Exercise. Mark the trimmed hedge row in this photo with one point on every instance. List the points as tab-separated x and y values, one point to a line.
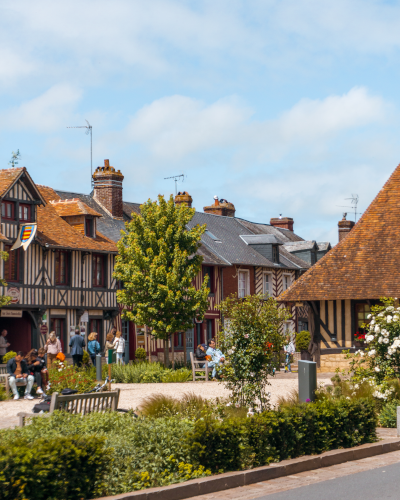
305	429
51	469
74	457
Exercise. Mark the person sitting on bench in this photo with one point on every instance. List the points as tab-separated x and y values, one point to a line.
18	371
216	357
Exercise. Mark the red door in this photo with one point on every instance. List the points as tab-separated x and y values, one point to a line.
19	332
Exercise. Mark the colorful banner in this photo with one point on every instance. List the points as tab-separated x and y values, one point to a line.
26	235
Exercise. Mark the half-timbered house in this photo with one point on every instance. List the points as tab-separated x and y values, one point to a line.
64	278
341	288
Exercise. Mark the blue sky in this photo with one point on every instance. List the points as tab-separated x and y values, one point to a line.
278	106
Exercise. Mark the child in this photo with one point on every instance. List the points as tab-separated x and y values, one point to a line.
289	350
44	372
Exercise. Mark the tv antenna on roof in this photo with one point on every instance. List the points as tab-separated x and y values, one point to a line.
354	202
176	177
88	128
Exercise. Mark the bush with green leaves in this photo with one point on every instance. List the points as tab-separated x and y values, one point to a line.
140	354
9	355
70	468
303	339
137	373
250	340
388	414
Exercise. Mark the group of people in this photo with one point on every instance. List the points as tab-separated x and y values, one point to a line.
29	370
212	355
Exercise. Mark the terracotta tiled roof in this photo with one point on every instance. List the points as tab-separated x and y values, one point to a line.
7	178
55	231
67	208
365	265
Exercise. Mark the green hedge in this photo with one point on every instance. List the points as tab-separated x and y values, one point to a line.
306	429
51	462
51	469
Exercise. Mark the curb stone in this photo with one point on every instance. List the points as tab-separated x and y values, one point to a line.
229	480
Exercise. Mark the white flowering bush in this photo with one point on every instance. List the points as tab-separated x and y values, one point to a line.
379	364
251	341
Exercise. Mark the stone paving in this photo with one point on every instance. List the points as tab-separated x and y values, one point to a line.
257	490
132	395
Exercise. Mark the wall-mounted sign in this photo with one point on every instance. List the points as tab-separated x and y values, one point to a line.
44	329
6	313
299	304
14	293
44	319
26	235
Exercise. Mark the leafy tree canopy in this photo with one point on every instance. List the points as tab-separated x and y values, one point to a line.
157	264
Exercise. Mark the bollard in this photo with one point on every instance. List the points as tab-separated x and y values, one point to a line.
98	368
398	421
307	380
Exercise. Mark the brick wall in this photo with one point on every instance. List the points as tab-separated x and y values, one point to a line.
108	189
230	277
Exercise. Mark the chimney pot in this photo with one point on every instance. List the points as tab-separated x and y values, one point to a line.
183	198
345	226
221	207
283	222
108	189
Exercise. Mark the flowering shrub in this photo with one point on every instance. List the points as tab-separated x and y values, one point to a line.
64	376
251	341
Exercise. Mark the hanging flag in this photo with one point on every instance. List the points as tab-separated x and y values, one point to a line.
25	236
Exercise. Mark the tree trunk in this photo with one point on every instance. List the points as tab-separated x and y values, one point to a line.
173	350
166	353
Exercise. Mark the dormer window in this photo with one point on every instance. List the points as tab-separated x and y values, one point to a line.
89	227
24	212
8	210
275	254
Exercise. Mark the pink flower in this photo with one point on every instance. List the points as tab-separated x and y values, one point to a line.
246	336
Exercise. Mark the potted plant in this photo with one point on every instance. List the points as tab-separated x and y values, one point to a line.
302	342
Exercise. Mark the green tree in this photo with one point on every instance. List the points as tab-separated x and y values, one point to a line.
157	264
4	299
251	340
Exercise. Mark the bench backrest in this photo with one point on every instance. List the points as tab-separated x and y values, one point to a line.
85	403
3	369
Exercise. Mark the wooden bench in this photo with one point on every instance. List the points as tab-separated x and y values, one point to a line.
4	379
96	402
196	368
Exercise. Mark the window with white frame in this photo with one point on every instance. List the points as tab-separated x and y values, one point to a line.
287	328
244	284
267	285
287	281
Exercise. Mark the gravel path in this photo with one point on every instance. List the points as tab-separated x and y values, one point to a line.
132	395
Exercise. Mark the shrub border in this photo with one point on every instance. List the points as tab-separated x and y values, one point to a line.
230	480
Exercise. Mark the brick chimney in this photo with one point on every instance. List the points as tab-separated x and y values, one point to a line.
183	198
108	189
345	226
283	222
221	207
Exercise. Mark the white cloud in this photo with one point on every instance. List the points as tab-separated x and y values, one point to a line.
177	126
44	113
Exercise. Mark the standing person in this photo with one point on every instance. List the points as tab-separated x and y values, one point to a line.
93	347
216	357
35	367
119	344
3	344
44	372
17	370
77	343
109	344
52	347
289	350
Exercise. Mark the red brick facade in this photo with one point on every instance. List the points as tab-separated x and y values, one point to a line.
108	189
231	279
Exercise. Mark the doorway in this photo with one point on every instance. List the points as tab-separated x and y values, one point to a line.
19	332
58	326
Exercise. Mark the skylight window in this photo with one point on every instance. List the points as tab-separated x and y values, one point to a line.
212	236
